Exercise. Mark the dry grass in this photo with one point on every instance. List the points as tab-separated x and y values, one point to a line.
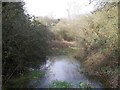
103	66
96	36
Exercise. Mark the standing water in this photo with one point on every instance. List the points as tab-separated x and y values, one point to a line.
64	68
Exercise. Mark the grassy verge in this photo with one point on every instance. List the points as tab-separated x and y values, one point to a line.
65	51
103	67
64	84
60	84
85	86
24	81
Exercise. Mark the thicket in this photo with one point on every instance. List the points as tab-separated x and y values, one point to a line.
25	41
97	37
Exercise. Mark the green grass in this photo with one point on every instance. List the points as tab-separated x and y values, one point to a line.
61	84
23	81
36	74
64	84
85	85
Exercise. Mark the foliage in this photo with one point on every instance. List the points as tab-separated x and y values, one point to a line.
102	37
24	81
85	85
48	21
61	84
63	30
97	36
26	42
35	74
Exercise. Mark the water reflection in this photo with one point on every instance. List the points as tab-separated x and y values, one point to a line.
63	68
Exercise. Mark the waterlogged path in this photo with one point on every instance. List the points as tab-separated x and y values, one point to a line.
64	68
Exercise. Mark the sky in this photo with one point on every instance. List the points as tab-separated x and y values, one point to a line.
57	8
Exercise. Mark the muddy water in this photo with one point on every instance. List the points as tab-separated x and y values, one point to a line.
64	68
